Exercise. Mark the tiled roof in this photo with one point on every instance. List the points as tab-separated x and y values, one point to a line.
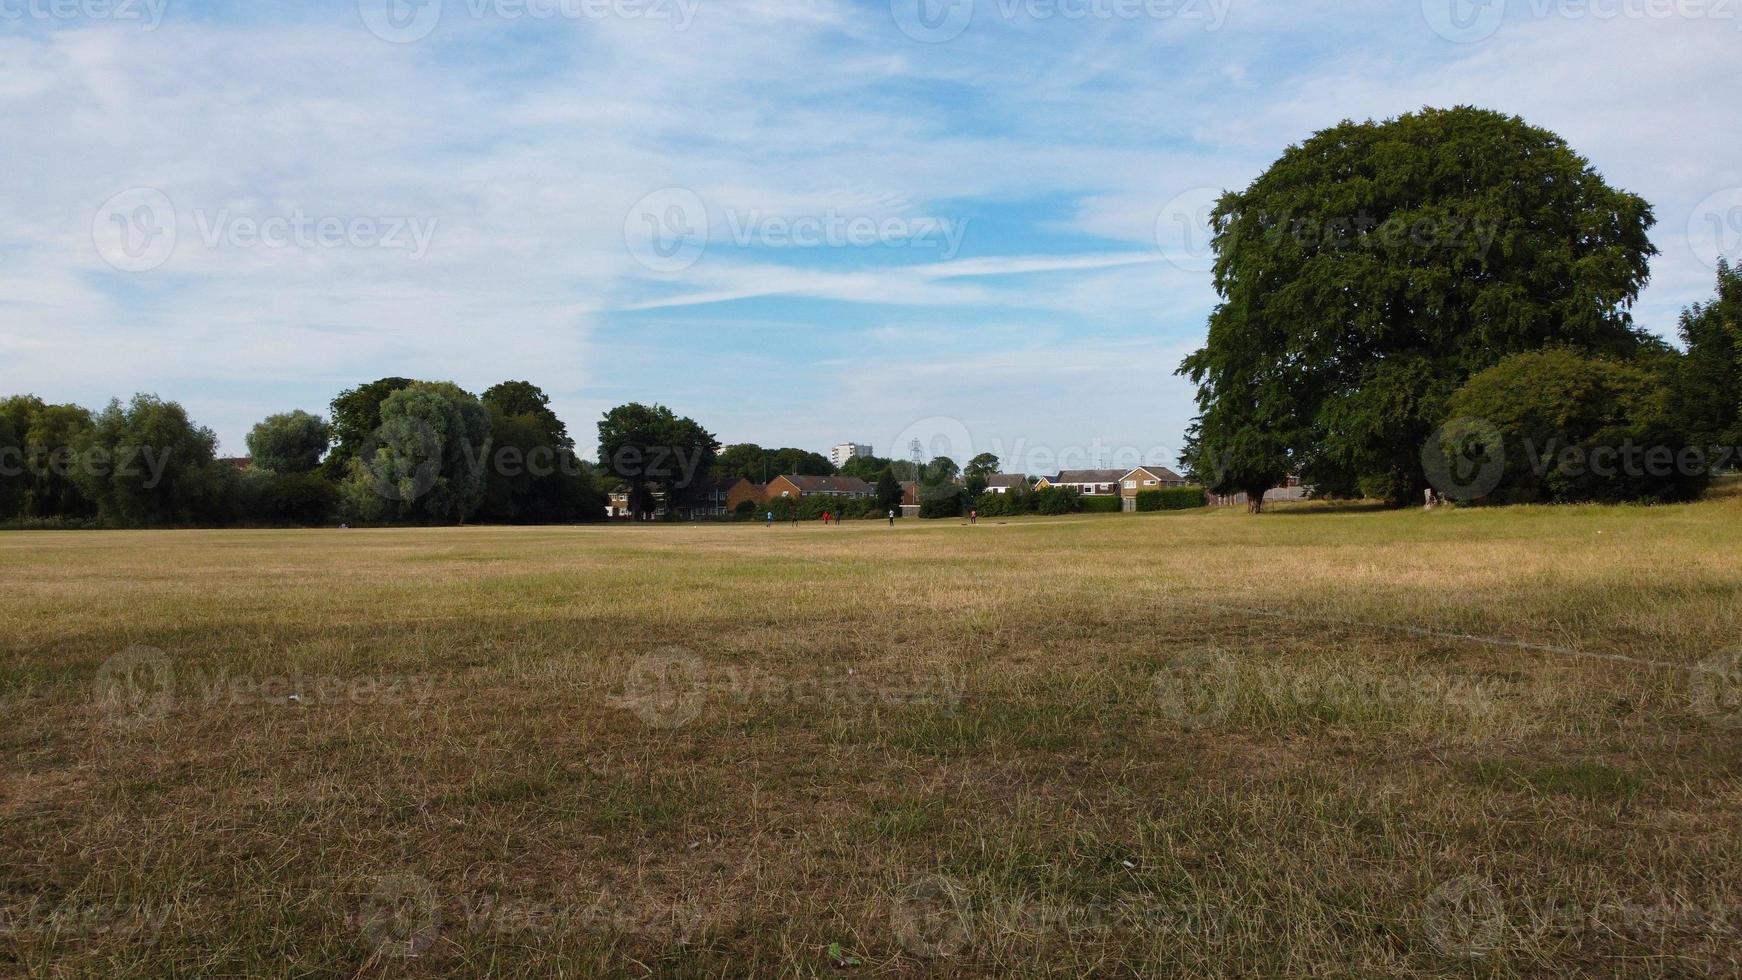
829	484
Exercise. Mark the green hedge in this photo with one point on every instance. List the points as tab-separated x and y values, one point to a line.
940	503
812	508
1102	505
1172	498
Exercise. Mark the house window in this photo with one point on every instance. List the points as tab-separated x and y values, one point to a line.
1132	484
1149	483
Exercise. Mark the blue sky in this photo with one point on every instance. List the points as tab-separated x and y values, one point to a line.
802	222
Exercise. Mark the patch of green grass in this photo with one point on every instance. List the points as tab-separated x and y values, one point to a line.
1584	779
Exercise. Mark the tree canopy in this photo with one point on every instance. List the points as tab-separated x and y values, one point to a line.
1372	269
293	442
652	450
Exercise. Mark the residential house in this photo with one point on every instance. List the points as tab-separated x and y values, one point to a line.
1146	478
713	497
744	490
1089	483
818	486
1006	482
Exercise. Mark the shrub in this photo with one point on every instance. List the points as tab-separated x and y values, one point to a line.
746	510
942	502
1172	498
287	498
1102	505
991	504
1569	428
1057	500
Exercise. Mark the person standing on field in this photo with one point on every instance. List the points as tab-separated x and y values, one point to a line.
973	517
892	518
771	518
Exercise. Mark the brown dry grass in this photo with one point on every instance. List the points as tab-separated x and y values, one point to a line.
1316	741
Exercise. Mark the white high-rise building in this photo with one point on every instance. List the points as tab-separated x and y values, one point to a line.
845	451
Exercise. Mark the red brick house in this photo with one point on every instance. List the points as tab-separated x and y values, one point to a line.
818	486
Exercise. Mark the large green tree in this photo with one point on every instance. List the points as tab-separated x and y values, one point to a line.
979	472
653	450
428	459
524	399
533	474
356	415
1708	392
753	462
1375	267
49	437
146	463
293	442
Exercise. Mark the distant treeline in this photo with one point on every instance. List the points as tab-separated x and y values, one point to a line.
394	451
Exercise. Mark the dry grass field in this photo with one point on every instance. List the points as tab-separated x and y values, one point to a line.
1320	741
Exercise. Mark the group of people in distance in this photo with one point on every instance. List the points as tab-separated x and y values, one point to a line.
828	517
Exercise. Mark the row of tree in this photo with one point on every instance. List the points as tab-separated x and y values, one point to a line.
394	450
1446	295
